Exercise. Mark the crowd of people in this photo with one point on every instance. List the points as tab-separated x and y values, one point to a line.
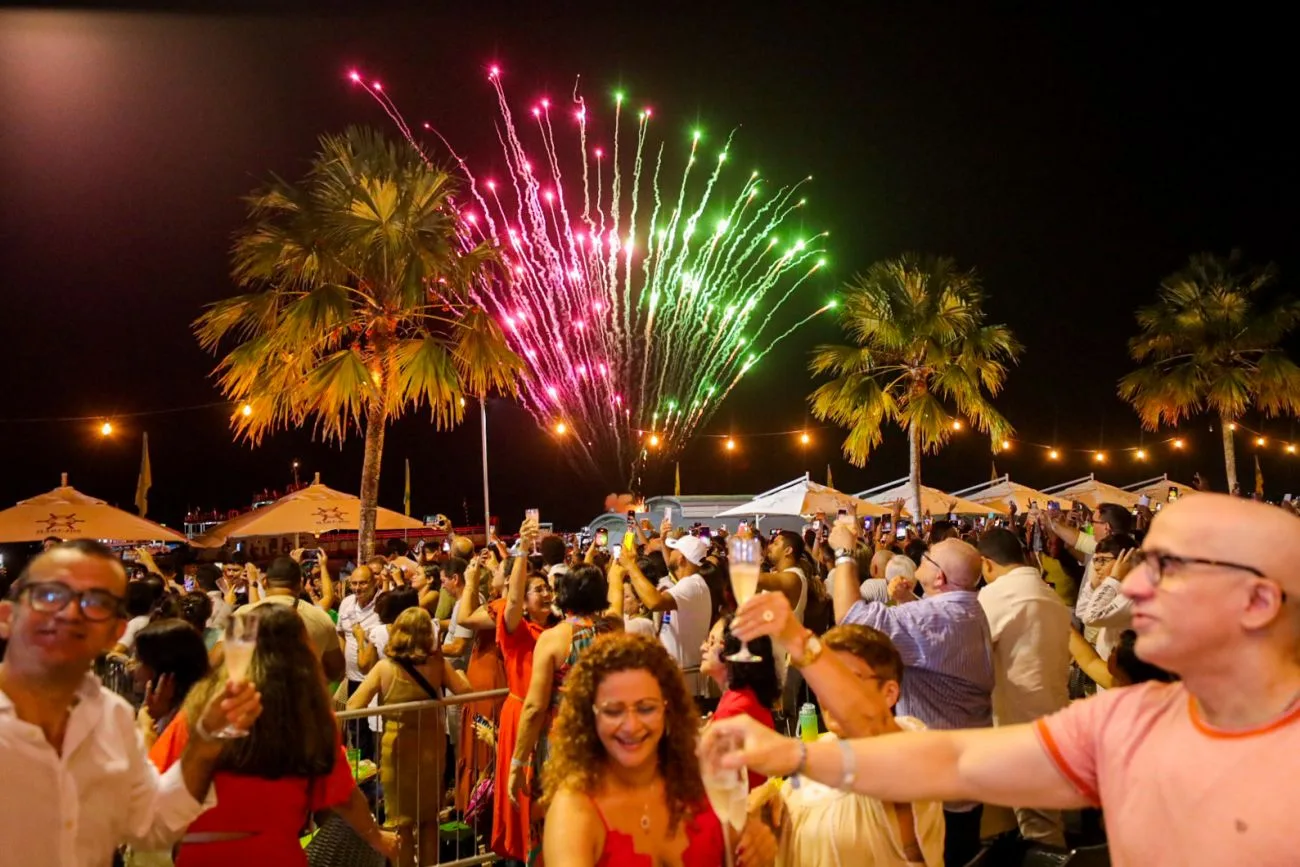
1110	676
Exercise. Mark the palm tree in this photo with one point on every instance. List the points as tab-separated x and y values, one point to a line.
920	347
1210	344
358	305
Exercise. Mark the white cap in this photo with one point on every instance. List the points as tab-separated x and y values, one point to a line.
693	548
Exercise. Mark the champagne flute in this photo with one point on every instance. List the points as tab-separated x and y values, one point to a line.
239	644
534	516
743	566
727	789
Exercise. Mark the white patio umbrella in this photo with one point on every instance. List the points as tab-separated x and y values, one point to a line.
1000	493
1092	493
67	513
315	509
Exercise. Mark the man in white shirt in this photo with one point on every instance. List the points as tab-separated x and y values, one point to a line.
1030	627
685	603
78	779
358	610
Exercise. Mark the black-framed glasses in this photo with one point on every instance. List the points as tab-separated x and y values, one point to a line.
51	597
1162	563
932	561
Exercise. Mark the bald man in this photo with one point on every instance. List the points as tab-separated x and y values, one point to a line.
944	640
1201	771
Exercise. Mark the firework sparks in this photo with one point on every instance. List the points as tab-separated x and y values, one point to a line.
638	302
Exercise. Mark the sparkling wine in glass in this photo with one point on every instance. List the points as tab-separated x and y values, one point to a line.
743	566
239	644
727	789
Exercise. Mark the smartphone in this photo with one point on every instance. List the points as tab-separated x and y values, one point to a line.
1286	498
866	523
1173	493
631	517
446	546
1053	506
1033	504
1144	501
816	525
668	513
901	532
602	538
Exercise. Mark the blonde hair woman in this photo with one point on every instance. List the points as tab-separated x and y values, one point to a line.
415	742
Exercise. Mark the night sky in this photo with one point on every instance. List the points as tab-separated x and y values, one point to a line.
1073	157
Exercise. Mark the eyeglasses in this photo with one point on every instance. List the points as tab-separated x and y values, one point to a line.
1162	564
932	561
50	597
647	711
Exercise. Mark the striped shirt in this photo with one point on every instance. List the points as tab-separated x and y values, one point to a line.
946	649
947	655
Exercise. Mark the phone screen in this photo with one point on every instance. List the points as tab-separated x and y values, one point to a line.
1173	494
900	533
602	538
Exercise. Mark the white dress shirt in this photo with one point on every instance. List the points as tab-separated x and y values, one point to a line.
73	809
351	614
1030	628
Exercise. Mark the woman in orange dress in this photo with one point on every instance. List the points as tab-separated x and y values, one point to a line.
485	672
527	614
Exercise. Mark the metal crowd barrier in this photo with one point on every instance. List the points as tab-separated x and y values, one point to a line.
421	769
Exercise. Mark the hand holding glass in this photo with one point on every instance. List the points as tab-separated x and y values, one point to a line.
743	566
239	644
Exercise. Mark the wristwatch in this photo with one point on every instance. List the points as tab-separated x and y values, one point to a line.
812	649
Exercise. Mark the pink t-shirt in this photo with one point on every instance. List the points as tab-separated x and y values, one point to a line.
1177	792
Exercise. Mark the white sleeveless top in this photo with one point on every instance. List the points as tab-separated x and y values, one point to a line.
827	827
782	658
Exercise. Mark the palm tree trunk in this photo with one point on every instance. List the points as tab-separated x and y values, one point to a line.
1229	453
914	475
370	482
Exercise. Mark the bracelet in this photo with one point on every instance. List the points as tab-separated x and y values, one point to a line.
803	760
202	731
844	560
518	763
850	768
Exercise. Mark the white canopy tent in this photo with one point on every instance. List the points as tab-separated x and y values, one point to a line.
933	500
1000	493
804	497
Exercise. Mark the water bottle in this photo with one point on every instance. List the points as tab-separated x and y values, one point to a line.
808	722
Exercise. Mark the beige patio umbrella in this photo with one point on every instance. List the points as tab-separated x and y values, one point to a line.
933	500
803	497
1158	488
315	509
1092	493
67	513
1000	493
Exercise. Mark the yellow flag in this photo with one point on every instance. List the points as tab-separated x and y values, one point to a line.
677	481
406	497
1259	479
995	472
145	481
830	482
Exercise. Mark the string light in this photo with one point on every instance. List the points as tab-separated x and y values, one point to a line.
1053	454
1290	449
247	410
1232	426
106	429
561	428
1260	441
1100	457
1178	443
731	444
804	438
1006	445
654	441
1141	454
956	424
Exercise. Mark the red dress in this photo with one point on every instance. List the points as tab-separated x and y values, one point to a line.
704	843
273	811
743	702
510	823
484	673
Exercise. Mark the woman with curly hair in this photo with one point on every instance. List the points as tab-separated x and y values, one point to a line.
581	594
623	783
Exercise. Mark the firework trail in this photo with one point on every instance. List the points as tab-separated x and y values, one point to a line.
638	304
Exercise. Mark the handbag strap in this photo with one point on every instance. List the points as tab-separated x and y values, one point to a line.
417	677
